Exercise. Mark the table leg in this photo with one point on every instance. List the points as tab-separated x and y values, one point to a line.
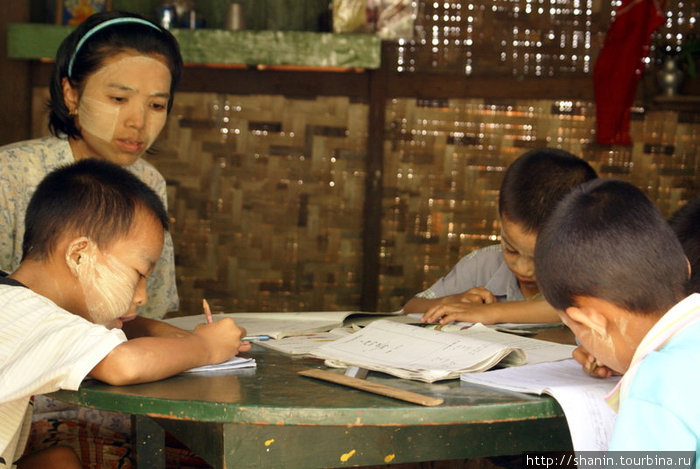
149	442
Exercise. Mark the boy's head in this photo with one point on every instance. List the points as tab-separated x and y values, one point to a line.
686	223
532	185
611	264
103	225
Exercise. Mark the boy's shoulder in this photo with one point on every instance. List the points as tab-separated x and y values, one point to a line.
28	317
10	282
19	301
492	250
668	373
667	382
487	259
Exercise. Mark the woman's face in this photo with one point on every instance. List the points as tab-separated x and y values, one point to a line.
122	107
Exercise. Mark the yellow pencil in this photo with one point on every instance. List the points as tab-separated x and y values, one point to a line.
207	311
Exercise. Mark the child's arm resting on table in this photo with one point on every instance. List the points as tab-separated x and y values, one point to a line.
478	295
147	359
532	311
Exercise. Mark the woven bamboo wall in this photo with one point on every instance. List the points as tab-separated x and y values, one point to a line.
266	193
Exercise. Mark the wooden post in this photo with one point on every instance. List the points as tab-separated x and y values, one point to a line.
372	236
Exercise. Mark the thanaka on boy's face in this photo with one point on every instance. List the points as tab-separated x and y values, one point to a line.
607	332
113	279
518	247
122	107
597	344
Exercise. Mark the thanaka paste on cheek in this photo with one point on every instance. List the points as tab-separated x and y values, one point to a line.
108	287
102	118
148	64
605	350
629	346
98	118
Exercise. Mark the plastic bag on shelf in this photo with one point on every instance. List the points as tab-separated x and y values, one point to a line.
350	16
394	19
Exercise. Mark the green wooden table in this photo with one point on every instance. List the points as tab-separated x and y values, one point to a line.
271	417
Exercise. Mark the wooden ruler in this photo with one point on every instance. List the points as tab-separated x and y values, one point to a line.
369	386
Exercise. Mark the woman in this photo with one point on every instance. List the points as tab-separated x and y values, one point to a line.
111	90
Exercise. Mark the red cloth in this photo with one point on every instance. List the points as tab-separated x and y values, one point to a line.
619	67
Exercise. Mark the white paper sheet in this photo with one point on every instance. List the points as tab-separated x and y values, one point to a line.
303	344
537	351
232	364
279	325
580	396
414	352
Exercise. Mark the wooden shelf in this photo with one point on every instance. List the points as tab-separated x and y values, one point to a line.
681	103
35	41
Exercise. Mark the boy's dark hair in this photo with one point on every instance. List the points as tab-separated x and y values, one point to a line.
686	223
534	183
102	44
607	240
93	198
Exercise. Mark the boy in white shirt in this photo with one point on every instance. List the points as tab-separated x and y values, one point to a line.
94	233
497	283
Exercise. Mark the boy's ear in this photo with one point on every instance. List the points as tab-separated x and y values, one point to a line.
590	316
71	96
75	253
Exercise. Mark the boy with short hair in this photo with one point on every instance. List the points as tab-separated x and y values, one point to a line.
613	267
686	223
494	284
94	233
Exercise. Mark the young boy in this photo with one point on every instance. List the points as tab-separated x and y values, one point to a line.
686	223
94	233
494	284
613	267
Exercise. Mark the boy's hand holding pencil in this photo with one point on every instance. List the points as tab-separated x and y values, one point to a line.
224	336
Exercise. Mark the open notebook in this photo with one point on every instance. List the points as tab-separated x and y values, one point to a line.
580	396
279	325
422	354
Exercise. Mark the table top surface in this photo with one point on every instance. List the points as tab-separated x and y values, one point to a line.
273	393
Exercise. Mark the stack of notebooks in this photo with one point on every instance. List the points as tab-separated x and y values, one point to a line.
400	346
389	343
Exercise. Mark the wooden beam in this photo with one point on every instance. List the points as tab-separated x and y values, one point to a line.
15	87
440	85
356	84
372	228
251	80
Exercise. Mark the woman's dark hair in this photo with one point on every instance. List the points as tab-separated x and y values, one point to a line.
103	42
